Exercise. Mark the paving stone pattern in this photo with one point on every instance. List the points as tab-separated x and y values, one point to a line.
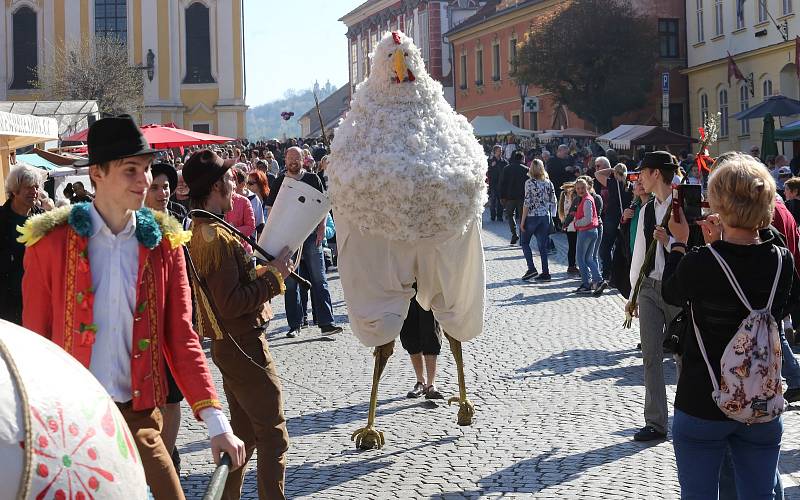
556	380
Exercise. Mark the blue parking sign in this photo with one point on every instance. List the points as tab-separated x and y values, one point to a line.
665	83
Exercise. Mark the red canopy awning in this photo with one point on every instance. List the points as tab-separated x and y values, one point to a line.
164	137
81	136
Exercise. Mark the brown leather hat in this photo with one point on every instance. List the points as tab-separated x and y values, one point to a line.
202	170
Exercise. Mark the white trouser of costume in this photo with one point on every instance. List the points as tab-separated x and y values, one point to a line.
377	276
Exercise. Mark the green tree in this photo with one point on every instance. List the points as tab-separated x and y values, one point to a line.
95	69
597	57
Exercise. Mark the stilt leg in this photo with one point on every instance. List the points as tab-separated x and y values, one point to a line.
368	437
466	411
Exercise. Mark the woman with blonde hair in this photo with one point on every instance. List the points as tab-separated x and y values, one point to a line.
537	212
743	262
586	224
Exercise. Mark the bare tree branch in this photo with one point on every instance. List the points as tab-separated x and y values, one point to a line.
94	69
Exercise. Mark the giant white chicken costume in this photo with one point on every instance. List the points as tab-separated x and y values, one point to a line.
407	181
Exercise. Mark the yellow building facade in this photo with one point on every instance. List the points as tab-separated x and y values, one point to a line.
764	57
191	53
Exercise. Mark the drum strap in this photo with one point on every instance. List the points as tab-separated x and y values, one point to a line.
204	290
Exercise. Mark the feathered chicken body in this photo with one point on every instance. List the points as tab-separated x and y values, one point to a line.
407	185
405	166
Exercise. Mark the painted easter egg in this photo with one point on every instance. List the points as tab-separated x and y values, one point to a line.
61	436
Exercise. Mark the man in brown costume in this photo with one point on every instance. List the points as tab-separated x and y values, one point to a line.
232	310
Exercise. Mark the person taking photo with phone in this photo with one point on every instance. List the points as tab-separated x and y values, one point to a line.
743	267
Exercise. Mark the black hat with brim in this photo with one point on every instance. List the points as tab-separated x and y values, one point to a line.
660	160
167	170
202	170
113	139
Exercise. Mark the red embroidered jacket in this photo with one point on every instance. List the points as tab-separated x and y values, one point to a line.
58	304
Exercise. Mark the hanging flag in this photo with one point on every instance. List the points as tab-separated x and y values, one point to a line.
733	70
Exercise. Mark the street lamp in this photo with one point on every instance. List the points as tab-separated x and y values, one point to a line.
523	93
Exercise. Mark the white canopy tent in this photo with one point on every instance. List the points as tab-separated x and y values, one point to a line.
72	116
486	126
18	131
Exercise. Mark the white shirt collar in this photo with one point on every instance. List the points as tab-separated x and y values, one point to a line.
661	204
99	224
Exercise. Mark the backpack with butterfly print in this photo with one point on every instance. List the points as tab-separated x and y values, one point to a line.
749	389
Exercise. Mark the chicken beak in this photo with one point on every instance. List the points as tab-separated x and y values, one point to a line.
401	71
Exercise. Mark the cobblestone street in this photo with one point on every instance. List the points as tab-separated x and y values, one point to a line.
557	385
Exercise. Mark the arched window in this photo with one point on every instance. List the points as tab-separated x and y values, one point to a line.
704	109
767	88
25	48
723	113
744	104
111	19
198	45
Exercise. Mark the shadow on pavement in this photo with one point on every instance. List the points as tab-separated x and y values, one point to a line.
521	299
791	492
500	284
321	477
629	376
199	445
536	474
566	362
316	423
790	462
519	257
496	248
278	344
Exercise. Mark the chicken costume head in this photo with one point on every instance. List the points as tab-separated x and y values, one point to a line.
405	166
407	182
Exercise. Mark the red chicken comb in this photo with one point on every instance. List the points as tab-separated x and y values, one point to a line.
396	37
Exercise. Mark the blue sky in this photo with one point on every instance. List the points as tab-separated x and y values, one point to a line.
290	44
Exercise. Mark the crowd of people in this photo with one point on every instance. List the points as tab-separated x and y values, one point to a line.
693	287
229	301
723	277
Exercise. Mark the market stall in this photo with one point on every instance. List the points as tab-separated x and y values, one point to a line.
567	133
627	137
789	132
488	126
18	131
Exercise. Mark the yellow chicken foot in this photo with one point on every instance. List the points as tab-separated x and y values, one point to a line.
466	411
369	438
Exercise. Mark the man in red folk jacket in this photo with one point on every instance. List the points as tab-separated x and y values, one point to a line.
107	282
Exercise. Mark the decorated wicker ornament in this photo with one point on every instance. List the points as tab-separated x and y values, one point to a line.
61	436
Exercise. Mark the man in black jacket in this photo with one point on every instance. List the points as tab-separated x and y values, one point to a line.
512	192
22	189
494	175
560	168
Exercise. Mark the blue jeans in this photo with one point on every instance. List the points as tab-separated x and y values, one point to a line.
587	256
727	481
539	227
597	247
790	368
700	446
495	207
314	261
